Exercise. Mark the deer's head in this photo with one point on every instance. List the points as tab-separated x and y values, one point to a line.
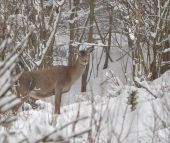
82	56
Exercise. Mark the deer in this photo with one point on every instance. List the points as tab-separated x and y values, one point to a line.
54	80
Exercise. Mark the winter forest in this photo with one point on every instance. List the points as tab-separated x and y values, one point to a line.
85	71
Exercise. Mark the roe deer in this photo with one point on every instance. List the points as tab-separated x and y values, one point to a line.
55	80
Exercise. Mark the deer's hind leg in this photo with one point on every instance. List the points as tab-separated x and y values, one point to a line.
58	94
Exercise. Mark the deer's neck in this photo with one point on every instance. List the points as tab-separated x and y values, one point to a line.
77	70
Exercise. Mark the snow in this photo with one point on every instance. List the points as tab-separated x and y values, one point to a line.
131	34
18	19
61	2
111	116
73	20
6	100
49	40
153	34
110	110
10	105
166	50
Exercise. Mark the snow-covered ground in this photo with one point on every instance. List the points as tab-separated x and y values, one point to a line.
110	118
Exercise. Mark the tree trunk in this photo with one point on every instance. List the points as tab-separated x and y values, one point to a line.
90	40
109	40
72	58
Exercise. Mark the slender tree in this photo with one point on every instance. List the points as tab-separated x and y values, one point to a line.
90	40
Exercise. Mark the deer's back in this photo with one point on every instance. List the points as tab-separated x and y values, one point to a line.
45	81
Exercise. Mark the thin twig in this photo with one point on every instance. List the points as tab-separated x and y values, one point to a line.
59	129
74	136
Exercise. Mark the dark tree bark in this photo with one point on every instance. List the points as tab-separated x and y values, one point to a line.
109	40
73	34
90	40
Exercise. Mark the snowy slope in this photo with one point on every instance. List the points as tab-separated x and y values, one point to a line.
110	117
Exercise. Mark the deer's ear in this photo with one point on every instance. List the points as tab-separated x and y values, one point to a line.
90	49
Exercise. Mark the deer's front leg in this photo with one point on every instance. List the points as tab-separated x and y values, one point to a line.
58	94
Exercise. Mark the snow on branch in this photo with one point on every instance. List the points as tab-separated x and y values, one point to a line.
144	85
7	120
165	63
13	56
166	50
61	3
6	67
88	44
50	38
